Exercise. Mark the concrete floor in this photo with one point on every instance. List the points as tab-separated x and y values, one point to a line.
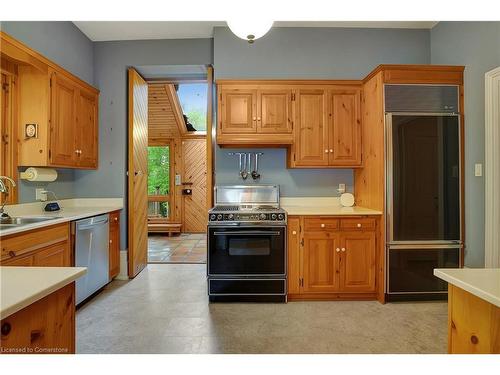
165	310
180	248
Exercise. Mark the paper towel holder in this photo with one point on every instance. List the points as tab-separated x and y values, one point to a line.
39	174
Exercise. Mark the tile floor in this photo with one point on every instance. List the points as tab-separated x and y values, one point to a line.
183	248
165	310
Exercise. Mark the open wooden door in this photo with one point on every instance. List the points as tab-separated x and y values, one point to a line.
137	173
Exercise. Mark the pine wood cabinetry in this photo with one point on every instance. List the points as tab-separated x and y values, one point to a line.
45	247
114	244
61	106
335	258
318	121
44	327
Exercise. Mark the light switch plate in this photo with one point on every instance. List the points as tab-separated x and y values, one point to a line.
478	170
178	180
341	188
40	195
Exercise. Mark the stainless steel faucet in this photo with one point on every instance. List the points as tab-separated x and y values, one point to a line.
4	189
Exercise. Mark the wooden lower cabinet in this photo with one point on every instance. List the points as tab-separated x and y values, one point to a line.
44	247
44	327
328	262
114	244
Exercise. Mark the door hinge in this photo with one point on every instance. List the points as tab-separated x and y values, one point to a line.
302	242
293	97
50	154
294	157
301	282
220	97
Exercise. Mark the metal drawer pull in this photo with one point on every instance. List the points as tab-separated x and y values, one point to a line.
243	233
322	225
359	225
331	150
326	151
343	249
337	250
294	232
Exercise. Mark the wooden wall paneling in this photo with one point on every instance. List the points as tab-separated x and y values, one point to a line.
137	173
162	121
195	174
176	108
369	181
178	170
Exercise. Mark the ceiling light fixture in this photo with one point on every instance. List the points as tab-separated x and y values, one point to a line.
248	29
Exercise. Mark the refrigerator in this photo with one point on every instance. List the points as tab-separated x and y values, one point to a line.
423	189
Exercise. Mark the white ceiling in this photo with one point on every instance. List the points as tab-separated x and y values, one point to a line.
137	30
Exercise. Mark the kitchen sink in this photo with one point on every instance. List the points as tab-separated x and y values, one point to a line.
10	222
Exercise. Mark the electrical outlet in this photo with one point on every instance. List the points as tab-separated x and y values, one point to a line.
40	194
178	180
341	188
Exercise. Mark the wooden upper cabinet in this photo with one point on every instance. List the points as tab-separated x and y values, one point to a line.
87	131
311	142
358	258
320	263
345	128
63	130
274	114
239	111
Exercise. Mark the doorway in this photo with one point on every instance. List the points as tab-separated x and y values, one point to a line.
178	183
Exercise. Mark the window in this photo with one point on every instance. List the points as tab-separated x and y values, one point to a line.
159	181
193	99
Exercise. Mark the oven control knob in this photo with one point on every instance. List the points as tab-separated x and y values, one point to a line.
230	216
219	217
213	217
273	216
281	216
262	216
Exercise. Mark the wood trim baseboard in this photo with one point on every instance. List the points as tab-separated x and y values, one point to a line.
333	297
492	168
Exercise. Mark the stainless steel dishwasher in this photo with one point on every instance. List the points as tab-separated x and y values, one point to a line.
91	251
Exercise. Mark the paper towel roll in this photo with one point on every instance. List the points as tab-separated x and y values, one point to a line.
39	174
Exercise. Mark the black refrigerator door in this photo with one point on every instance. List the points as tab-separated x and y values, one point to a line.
424	167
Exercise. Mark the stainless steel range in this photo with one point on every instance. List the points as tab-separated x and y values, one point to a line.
247	245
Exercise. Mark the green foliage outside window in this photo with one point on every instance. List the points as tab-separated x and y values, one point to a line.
158	170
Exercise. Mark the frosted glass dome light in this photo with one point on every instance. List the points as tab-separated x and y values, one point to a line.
250	30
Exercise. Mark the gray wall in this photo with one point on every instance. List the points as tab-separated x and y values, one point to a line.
477	46
111	61
65	44
309	53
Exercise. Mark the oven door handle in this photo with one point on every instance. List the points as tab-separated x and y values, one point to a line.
249	233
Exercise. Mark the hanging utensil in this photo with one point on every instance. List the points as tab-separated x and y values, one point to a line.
255	172
243	172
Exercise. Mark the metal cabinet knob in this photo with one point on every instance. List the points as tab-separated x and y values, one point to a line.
294	232
110	241
258	118
359	225
343	249
255	118
322	225
337	250
331	150
326	151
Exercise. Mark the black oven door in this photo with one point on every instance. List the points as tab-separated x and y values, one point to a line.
246	251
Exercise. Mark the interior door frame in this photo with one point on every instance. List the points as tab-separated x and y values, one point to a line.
492	168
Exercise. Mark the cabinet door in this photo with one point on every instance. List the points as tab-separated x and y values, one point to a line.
345	128
274	114
357	273
87	130
239	111
64	96
53	256
293	255
311	143
320	262
114	245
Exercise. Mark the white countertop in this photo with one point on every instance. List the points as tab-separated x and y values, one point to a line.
322	206
71	209
481	282
22	286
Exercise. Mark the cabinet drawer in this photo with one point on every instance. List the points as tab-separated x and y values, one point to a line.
26	242
320	224
26	261
53	256
357	224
